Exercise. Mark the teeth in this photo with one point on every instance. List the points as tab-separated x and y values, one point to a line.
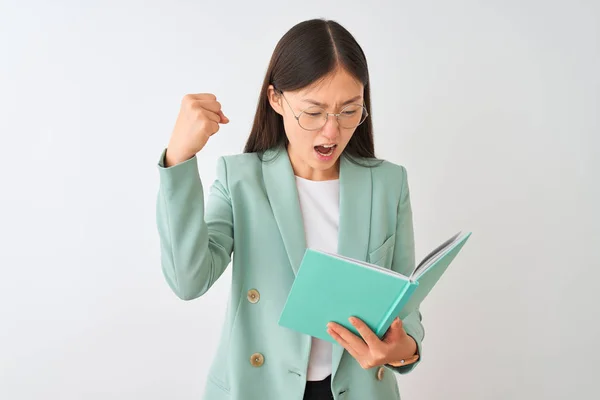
328	146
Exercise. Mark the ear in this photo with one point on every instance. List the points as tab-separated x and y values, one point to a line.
275	100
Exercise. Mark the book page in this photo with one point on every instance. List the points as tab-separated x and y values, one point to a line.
433	256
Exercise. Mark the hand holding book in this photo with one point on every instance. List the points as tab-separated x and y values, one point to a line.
394	348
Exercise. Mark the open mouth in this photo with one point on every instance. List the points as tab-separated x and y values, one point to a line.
325	150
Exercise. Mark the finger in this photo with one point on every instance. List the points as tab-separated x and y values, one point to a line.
394	332
224	119
356	342
367	334
343	343
211	105
214	127
360	358
202	96
211	115
211	109
396	325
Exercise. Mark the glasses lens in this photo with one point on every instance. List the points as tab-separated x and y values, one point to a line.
312	118
352	116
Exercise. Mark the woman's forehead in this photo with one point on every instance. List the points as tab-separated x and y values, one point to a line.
336	88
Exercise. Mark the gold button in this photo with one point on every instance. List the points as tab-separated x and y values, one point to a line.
257	359
380	372
253	296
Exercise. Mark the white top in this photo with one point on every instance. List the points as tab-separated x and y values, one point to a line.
319	203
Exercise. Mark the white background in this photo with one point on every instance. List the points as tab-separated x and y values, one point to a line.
491	106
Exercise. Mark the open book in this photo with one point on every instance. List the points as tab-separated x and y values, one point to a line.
330	287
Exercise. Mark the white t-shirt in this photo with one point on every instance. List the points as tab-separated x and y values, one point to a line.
319	203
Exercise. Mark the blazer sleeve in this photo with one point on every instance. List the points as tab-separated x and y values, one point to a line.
195	244
404	262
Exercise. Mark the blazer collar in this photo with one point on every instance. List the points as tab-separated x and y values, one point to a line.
355	206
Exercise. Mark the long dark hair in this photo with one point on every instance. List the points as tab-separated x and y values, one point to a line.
307	53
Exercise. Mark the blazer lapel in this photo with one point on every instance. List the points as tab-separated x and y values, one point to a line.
354	219
355	222
355	210
280	184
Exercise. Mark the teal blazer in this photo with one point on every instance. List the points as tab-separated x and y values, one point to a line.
252	215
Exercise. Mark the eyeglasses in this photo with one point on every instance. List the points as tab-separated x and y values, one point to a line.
314	117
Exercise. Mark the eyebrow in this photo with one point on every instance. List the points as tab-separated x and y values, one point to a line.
316	103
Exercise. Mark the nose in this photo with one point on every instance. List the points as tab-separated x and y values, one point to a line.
331	130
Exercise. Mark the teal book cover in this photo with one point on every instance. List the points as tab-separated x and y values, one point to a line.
332	288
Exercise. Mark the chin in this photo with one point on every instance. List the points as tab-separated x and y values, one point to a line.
322	165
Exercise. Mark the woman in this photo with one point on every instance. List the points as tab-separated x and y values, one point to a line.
308	177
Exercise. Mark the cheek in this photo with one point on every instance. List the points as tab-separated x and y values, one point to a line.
346	135
296	135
